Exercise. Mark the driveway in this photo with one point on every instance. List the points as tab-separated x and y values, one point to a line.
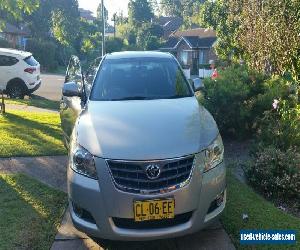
51	87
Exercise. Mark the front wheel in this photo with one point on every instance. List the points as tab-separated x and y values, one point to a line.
16	91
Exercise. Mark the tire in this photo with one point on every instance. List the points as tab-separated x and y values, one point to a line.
16	90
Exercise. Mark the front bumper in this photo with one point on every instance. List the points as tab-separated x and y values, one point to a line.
104	203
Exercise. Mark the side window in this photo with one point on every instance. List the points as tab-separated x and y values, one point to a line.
92	70
74	71
8	61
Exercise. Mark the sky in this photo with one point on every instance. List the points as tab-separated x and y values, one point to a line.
112	6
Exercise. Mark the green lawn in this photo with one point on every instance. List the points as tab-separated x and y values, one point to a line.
30	134
30	213
262	214
36	102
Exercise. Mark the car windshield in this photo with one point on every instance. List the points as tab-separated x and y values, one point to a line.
140	79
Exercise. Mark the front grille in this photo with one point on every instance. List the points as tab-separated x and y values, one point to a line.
132	177
152	224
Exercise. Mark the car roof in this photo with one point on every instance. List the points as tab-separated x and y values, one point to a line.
138	54
14	52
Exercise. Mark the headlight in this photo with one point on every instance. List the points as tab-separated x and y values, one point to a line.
214	154
83	162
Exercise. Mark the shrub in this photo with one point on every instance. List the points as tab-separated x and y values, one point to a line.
114	44
44	52
227	99
263	94
281	126
276	173
239	99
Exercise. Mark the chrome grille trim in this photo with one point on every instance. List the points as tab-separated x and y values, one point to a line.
130	176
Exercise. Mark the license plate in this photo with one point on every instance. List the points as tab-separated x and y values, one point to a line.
154	209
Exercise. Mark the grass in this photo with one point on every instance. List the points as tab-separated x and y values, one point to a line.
30	134
262	215
36	102
30	213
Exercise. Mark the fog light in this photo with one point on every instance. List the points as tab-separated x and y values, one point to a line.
217	202
220	199
77	210
83	214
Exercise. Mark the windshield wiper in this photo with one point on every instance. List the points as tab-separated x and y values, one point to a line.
174	96
131	98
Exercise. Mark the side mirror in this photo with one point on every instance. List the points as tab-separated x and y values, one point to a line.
71	89
197	84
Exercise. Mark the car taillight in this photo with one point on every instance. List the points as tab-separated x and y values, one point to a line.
29	70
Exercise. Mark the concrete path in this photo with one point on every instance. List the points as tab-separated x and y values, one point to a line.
28	108
50	170
237	153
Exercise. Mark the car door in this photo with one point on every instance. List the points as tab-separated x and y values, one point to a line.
6	70
70	107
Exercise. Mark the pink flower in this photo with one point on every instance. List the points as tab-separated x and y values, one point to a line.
275	104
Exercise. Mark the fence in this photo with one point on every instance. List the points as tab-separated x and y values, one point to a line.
2	104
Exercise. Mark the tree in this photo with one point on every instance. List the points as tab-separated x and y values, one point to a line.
155	7
87	32
127	32
171	7
146	38
181	8
39	22
263	33
269	35
216	15
99	14
139	11
65	22
17	7
190	10
120	19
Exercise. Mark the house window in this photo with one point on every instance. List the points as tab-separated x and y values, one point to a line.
184	57
203	56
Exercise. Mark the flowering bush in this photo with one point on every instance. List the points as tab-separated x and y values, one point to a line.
263	96
241	103
280	125
276	173
275	169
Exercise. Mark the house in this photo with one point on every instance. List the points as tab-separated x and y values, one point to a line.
109	30
87	15
14	35
169	25
193	48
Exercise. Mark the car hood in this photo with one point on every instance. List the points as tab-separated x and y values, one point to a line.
145	129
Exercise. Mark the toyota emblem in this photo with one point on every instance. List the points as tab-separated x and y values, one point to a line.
153	171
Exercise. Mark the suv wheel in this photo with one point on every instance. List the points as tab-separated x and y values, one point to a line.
16	91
